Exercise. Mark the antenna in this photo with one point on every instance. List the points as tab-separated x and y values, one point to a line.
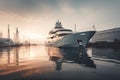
94	27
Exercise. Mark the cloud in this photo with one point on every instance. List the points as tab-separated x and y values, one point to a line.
26	6
84	13
39	16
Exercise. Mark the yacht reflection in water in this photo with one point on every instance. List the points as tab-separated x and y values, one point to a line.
70	55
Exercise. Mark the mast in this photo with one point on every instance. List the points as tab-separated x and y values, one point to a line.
17	35
8	32
75	28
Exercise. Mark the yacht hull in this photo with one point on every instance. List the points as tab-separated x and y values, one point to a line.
72	40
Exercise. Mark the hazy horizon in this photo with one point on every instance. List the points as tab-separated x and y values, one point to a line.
35	18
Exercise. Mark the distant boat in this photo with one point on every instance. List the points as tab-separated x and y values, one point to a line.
61	37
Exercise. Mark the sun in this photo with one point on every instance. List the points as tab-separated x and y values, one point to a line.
33	37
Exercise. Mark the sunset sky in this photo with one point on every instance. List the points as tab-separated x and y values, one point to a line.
35	18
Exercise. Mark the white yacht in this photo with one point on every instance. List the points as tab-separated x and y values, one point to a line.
61	37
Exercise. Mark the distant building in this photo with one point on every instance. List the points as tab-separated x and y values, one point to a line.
1	35
111	35
6	42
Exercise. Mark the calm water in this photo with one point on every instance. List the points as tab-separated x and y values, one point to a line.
41	63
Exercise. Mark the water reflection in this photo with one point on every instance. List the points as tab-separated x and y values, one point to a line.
70	55
9	56
106	53
16	55
13	55
41	63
